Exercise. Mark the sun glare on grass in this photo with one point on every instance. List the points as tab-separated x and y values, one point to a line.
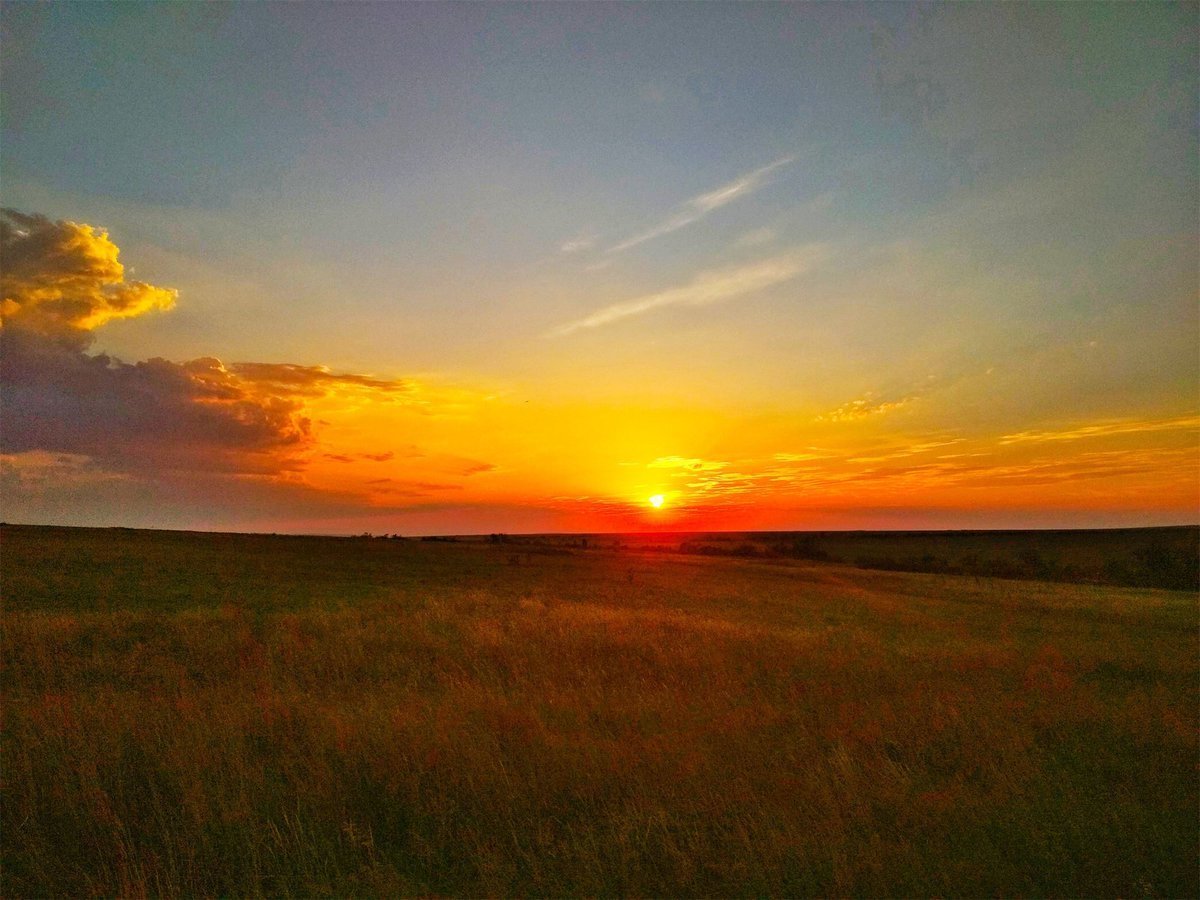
657	501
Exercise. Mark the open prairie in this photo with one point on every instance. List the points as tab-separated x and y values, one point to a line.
208	714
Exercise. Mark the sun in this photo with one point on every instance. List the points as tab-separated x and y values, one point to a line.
657	501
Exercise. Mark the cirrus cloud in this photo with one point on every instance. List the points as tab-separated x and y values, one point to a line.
708	287
701	205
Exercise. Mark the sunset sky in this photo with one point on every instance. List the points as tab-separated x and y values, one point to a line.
456	268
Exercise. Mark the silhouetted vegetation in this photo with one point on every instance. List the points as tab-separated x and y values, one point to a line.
1158	565
1153	566
1166	558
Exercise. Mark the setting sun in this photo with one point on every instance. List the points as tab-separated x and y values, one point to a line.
657	501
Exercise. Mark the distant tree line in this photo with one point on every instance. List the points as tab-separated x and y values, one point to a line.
793	548
1157	565
1153	565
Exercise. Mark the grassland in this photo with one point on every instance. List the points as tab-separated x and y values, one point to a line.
254	715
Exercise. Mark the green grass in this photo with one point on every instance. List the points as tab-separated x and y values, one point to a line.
251	715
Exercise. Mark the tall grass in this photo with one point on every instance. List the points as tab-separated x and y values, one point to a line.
253	716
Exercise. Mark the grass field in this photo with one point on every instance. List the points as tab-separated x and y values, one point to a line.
254	715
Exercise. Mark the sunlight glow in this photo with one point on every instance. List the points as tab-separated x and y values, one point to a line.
657	501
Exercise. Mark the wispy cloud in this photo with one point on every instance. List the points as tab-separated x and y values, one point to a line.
811	454
712	286
356	457
700	206
583	241
1103	429
691	464
310	380
906	451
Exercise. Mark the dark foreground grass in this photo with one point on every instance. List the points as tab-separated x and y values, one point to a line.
225	715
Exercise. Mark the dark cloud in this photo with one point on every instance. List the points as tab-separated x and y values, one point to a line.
151	414
61	280
77	491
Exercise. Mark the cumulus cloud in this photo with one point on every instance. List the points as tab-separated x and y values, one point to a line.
152	414
867	405
712	286
62	280
700	206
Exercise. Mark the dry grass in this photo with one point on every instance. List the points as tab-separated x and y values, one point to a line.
253	716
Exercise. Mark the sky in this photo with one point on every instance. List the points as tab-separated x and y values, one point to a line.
469	268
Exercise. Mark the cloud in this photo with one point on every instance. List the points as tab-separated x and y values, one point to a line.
1104	429
379	457
812	454
691	464
712	286
39	470
62	279
386	456
874	403
1103	464
311	380
867	405
584	241
440	463
79	490
906	450
700	206
154	414
392	488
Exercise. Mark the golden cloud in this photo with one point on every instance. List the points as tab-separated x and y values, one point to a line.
64	279
311	380
1105	429
868	405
